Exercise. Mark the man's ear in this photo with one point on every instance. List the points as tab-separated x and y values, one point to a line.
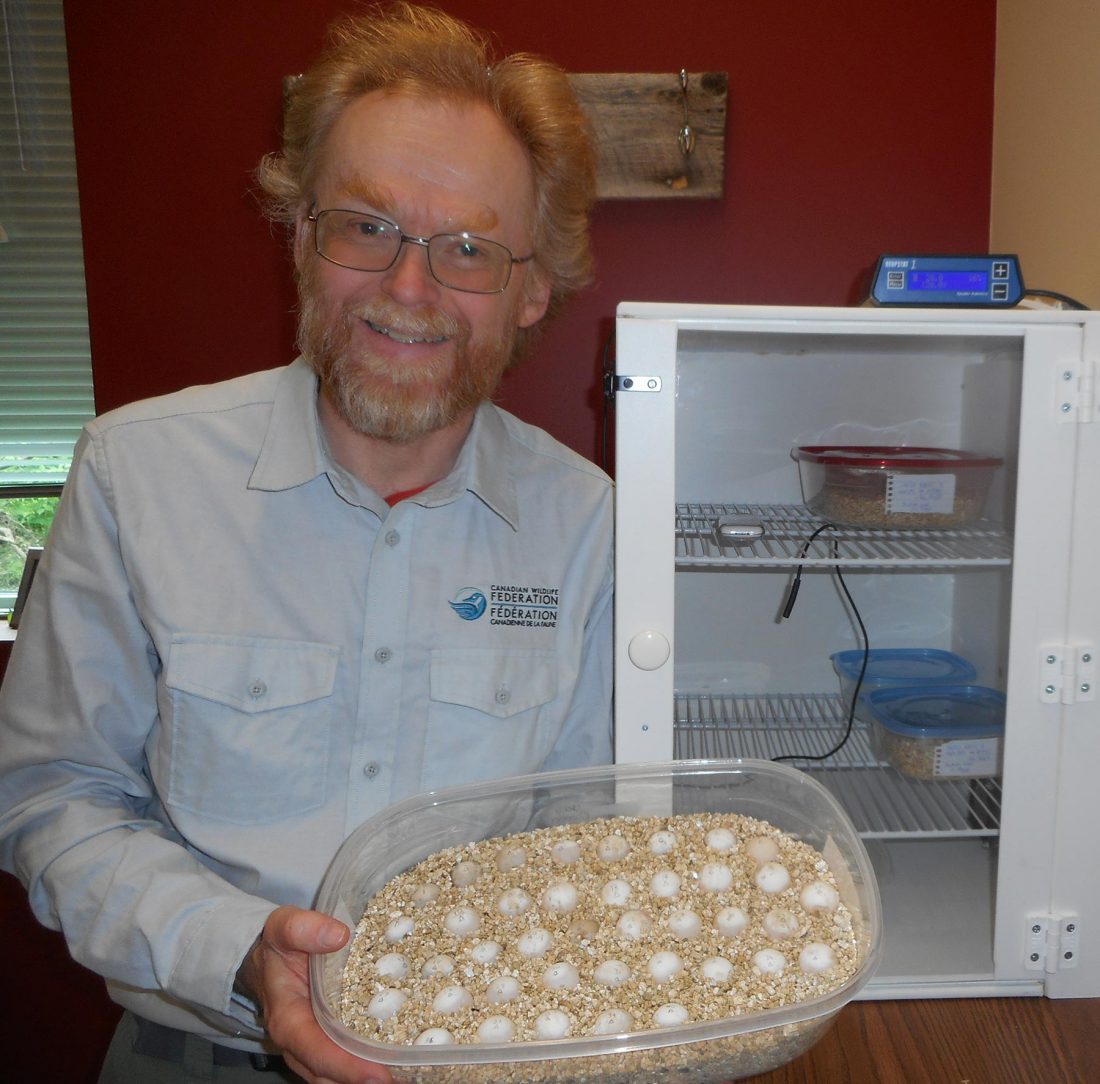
302	240
536	296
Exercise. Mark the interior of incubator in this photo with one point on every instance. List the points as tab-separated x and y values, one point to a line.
751	682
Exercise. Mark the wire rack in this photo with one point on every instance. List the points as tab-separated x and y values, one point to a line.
788	526
881	802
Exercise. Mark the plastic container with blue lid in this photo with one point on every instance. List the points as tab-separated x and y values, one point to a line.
946	732
892	667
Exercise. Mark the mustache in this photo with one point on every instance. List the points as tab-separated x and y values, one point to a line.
425	323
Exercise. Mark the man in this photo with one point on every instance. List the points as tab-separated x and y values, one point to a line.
271	607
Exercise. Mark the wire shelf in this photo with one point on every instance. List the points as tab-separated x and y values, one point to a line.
882	803
788	526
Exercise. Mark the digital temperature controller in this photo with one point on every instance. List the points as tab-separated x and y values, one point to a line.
968	281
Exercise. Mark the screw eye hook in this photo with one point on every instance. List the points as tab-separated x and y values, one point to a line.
686	136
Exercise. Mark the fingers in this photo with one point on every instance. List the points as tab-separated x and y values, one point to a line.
290	935
292	929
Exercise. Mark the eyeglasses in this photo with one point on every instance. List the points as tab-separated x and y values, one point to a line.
459	261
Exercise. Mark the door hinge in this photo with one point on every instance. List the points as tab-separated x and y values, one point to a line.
1051	943
1076	398
1067	675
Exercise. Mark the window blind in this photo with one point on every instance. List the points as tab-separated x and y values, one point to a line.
45	356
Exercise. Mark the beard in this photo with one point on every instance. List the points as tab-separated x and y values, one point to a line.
385	399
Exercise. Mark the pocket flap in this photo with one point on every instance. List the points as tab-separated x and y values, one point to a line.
500	683
250	674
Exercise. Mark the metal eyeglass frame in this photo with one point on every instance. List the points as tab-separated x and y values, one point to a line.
315	216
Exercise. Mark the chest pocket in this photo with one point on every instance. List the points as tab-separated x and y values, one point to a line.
249	726
491	713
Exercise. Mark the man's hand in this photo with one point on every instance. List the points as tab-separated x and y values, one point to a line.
276	974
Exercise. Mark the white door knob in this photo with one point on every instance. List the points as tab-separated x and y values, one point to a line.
648	650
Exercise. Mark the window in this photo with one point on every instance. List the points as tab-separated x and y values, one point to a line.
45	358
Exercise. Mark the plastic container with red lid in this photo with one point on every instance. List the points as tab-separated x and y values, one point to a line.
894	486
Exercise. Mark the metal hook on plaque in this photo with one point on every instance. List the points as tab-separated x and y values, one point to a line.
685	137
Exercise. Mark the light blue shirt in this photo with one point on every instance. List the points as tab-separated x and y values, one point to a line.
235	652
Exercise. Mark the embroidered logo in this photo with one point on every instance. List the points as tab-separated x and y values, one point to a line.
528	607
469	603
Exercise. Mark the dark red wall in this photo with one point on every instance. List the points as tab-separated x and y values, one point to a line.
854	128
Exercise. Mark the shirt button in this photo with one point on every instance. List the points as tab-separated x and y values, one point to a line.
383	654
392	538
503	695
257	689
371	768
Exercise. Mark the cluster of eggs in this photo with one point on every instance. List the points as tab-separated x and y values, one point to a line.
676	896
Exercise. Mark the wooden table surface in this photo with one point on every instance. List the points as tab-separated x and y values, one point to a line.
1009	1040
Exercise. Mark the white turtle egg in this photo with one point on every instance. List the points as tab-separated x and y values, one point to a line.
635	924
535	942
716	969
512	856
392	966
566	851
552	1024
819	896
665	883
503	988
762	849
670	1015
612	1022
560	897
465	873
685	924
771	877
816	957
561	976
663	966
611	973
422	895
514	902
462	921
769	961
433	1037
399	929
452	999
496	1029
485	952
662	842
616	893
438	965
721	839
780	924
730	921
612	848
716	877
386	1003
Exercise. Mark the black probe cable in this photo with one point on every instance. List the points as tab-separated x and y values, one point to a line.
789	607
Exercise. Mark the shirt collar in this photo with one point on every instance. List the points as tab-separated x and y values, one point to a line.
484	467
293	450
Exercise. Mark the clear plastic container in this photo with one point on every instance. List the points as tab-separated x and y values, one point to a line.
697	1053
900	487
891	667
952	732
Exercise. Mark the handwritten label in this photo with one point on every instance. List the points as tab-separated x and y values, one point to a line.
930	494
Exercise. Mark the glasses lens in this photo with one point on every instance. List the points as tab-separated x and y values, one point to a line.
359	241
465	262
